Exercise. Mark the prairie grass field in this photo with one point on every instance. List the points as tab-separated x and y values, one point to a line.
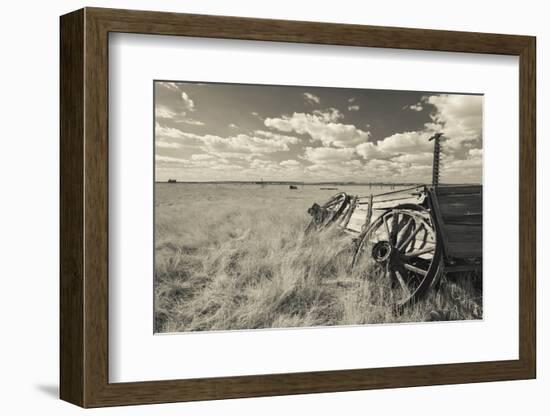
231	257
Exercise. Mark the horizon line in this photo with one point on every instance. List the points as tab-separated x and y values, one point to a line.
316	182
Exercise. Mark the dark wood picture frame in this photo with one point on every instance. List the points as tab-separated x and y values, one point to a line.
84	207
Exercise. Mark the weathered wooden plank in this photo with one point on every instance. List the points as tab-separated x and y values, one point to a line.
456	233
463	194
392	204
356	223
464	249
358	219
458	216
469	202
458	189
465	219
466	199
414	189
463	268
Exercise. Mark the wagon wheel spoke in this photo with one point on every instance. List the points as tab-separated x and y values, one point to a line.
337	199
332	203
403	223
419	252
408	239
424	239
415	269
394	228
402	283
386	227
403	228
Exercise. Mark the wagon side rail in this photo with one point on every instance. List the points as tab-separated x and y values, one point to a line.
369	208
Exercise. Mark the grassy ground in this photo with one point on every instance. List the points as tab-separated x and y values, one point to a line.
236	257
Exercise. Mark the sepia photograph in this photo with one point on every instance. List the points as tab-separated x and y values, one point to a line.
297	207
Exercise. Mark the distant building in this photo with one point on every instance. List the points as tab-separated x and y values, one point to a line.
172	181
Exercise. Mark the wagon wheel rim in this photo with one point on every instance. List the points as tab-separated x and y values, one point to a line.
402	245
337	206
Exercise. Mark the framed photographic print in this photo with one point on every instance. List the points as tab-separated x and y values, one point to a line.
260	207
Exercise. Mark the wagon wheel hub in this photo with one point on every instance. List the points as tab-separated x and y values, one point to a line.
382	251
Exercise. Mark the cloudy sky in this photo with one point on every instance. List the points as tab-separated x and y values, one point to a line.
218	132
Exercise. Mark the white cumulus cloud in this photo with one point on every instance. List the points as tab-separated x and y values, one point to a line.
258	142
327	154
311	98
188	103
164	112
460	117
168	145
191	122
290	163
321	126
415	107
172	86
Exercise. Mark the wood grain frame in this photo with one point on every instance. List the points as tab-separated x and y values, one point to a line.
84	207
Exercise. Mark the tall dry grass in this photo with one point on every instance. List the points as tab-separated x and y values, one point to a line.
238	259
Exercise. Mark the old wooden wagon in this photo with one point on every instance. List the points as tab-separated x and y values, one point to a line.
410	235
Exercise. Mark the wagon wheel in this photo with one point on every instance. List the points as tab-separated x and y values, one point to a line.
337	206
402	246
335	209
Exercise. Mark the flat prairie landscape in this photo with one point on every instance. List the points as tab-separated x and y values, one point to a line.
231	257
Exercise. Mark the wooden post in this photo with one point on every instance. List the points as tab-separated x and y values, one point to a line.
369	215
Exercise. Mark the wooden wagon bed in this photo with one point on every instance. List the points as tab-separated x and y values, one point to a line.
457	212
